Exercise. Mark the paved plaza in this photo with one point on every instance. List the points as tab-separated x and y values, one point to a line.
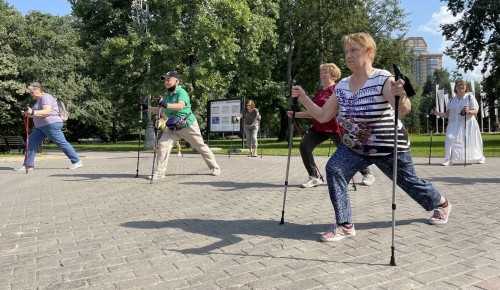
99	227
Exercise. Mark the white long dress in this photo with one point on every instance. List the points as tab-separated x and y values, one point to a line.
455	149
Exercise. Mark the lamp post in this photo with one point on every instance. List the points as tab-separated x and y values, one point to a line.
427	116
140	14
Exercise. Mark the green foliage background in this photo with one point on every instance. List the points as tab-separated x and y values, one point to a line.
104	56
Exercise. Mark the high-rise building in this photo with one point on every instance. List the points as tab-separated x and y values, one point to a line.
426	63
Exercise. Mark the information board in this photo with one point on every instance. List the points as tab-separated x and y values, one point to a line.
222	115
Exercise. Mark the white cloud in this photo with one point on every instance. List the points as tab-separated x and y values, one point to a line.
451	65
444	16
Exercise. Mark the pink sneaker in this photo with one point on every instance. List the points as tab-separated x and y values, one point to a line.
337	233
441	214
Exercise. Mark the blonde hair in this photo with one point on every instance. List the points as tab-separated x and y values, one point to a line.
251	103
363	39
332	69
460	82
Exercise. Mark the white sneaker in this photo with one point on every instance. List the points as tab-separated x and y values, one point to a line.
179	154
216	171
312	182
368	179
157	176
23	168
446	162
76	165
482	160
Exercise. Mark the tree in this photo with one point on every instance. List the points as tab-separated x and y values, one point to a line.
116	54
317	27
12	97
219	48
440	77
51	55
475	39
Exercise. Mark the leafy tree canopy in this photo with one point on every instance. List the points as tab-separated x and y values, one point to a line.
475	39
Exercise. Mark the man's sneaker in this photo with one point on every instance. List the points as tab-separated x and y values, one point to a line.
482	160
156	176
179	154
23	168
216	171
337	233
368	179
76	165
446	162
441	214
312	182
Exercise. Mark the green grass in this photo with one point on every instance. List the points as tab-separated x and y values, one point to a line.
419	146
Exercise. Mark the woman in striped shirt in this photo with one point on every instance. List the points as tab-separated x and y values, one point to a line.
364	104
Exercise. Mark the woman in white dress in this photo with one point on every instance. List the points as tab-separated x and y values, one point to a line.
462	127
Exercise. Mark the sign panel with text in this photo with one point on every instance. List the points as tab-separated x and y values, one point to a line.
222	115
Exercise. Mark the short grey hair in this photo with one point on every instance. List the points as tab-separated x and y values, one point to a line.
35	85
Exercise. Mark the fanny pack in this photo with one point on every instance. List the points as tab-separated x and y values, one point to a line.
177	123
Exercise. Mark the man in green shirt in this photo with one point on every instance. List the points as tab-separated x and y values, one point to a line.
176	104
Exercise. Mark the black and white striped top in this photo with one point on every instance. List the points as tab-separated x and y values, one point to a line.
368	118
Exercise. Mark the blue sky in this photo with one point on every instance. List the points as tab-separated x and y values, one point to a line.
424	19
55	7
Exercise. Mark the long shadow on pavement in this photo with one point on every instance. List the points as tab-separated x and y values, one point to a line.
230	185
461	180
228	231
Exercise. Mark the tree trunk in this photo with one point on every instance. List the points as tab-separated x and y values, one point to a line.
113	131
283	115
283	125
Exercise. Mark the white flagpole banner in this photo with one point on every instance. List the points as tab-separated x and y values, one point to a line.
437	98
441	101
472	89
437	109
496	109
452	85
482	105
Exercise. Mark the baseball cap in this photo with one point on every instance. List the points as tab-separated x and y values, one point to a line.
172	74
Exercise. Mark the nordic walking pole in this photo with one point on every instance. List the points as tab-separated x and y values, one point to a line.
329	147
138	148
231	141
397	76
290	144
141	108
409	92
465	135
27	126
156	142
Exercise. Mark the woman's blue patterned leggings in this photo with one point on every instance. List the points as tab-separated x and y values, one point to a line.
345	163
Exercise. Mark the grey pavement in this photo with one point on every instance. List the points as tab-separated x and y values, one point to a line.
99	227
